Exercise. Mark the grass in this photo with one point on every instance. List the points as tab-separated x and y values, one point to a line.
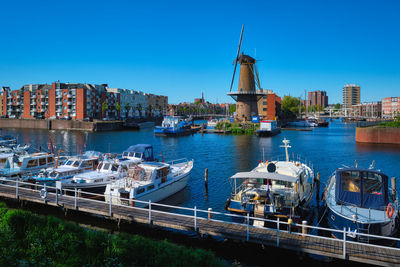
237	128
391	124
28	239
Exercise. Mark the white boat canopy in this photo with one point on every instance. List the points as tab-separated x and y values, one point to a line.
265	175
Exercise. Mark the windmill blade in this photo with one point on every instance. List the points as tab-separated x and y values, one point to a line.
233	77
237	56
257	76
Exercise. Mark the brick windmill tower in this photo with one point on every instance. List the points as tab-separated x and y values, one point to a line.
247	96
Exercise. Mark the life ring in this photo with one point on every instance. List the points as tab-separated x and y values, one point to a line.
389	210
43	193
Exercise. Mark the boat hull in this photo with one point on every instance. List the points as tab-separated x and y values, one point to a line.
265	133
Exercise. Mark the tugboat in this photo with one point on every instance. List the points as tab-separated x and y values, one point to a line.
281	188
174	126
360	201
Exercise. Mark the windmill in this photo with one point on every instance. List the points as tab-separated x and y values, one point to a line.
247	96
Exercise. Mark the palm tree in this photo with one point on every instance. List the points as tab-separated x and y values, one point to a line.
104	108
127	108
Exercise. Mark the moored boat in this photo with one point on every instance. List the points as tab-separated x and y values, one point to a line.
268	128
281	188
359	200
153	181
173	126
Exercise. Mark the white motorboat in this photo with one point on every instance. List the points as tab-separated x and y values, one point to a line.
72	166
17	165
153	181
281	188
96	181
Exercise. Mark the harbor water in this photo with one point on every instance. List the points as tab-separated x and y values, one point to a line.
224	155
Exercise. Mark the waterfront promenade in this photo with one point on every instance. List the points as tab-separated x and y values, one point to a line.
300	238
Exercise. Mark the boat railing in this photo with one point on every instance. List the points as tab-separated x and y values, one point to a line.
293	158
52	195
177	161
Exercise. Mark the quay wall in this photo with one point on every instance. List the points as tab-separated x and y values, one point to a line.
62	124
378	135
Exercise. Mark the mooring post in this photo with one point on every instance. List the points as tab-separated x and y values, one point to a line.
248	222
110	212
344	242
318	177
16	189
393	186
304	228
195	218
76	203
150	211
209	213
206	179
277	232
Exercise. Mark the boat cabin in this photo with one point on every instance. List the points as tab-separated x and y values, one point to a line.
139	152
364	188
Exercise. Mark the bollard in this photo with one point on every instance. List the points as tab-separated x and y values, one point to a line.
206	178
393	186
317	180
209	213
304	228
290	224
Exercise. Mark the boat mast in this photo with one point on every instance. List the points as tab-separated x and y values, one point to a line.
286	146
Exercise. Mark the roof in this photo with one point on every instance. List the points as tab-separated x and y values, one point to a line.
264	175
138	148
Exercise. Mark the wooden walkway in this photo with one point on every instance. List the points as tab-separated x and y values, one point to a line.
330	247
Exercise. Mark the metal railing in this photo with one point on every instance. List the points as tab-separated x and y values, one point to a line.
197	215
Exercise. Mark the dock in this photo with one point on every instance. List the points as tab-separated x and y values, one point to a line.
296	237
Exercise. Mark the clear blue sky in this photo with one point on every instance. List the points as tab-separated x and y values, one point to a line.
181	49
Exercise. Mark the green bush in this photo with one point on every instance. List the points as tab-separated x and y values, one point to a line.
31	240
393	124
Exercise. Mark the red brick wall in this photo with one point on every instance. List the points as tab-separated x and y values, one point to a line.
80	103
378	135
5	95
27	105
52	101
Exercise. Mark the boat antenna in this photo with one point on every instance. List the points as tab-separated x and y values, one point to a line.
286	146
372	166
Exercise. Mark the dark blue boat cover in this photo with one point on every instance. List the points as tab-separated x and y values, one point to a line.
364	188
147	149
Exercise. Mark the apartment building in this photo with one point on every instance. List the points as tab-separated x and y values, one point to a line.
351	95
318	98
390	107
132	103
269	105
368	110
157	104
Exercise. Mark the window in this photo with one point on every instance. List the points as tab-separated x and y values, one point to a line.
372	183
265	103
32	163
351	181
76	164
114	168
140	190
150	187
264	109
69	162
106	166
86	163
42	161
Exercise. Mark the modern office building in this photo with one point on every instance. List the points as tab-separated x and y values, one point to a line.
390	107
318	98
351	95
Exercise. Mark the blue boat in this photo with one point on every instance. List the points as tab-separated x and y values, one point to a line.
173	126
359	200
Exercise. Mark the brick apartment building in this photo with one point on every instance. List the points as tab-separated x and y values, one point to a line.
269	105
390	107
318	98
69	100
368	110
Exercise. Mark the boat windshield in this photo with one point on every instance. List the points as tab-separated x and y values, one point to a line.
69	162
138	155
76	164
53	174
106	166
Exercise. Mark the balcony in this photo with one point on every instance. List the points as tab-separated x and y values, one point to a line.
59	103
34	110
42	103
59	110
33	97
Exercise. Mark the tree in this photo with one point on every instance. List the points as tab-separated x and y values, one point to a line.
127	109
232	108
104	108
150	110
337	106
290	104
139	109
118	108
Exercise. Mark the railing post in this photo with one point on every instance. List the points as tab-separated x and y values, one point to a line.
110	211
277	232
195	218
150	211
76	203
344	242
248	222
209	213
16	189
56	197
